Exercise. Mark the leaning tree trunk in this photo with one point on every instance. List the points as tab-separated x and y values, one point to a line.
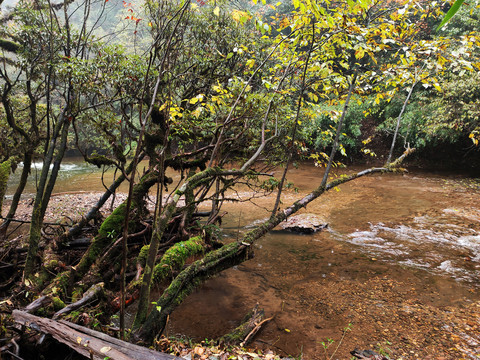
44	190
77	228
110	229
399	119
160	227
27	163
229	255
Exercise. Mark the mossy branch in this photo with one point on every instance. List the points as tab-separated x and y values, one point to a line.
227	256
161	225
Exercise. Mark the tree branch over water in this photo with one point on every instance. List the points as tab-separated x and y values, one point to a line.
234	254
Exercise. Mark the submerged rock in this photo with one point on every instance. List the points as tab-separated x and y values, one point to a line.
304	223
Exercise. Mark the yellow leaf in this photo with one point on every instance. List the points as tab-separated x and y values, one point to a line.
216	11
79	340
286	330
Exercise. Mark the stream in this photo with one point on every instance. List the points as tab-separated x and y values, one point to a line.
396	245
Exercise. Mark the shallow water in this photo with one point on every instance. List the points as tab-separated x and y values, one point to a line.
420	229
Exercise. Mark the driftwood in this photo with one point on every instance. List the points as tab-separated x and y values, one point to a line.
250	325
90	343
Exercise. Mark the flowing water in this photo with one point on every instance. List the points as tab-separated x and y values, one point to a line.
418	232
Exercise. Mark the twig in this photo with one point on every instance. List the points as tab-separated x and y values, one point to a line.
255	329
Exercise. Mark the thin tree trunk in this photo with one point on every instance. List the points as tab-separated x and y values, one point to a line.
339	130
294	131
27	164
399	119
41	201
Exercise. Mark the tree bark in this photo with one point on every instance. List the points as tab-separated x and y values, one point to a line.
44	191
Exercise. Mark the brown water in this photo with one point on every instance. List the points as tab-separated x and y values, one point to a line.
394	243
417	232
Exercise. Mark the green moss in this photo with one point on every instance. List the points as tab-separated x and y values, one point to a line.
113	224
143	254
99	160
9	45
77	294
109	230
58	304
175	257
5	168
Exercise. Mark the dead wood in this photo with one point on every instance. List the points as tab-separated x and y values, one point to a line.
90	295
42	301
245	332
90	343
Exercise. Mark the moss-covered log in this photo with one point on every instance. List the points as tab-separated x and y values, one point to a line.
227	256
161	225
247	329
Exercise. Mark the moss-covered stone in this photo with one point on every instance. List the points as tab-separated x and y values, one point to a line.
5	168
175	257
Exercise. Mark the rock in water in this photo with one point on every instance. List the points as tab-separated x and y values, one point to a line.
304	223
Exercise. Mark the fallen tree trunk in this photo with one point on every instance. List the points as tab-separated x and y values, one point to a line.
90	343
230	255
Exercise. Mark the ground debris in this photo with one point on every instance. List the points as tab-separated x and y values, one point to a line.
203	351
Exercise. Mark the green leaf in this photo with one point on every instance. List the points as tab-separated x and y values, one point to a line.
450	13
